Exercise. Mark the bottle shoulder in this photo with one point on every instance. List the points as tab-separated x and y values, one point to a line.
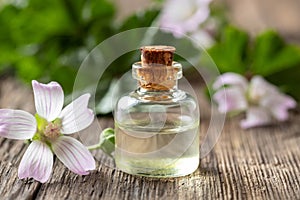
157	97
177	98
133	106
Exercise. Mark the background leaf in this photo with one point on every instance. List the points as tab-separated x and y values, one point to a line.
271	54
230	53
268	55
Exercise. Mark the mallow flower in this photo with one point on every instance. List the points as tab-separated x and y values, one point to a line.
263	102
182	17
47	132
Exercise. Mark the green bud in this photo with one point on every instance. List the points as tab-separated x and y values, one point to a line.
107	141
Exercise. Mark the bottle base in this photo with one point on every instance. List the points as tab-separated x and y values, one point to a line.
159	169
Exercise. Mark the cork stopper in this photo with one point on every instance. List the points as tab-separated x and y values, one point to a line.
156	71
157	55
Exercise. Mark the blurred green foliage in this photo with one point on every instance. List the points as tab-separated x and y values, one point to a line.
267	54
47	40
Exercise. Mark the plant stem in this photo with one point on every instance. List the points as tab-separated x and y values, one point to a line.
94	147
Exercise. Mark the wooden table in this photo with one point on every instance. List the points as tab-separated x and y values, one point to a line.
261	163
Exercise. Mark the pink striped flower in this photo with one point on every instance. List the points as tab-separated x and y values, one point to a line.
182	17
262	101
47	132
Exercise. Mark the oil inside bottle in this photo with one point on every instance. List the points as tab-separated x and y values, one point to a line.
160	148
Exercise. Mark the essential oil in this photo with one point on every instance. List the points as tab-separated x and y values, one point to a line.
157	124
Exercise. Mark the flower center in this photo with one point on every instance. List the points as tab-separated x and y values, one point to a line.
254	97
52	130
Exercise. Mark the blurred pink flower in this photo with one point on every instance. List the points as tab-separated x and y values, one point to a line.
46	131
262	101
202	38
182	17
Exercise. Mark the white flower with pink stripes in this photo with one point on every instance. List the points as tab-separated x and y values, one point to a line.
262	101
47	132
182	17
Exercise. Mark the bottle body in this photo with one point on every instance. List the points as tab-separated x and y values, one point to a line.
157	133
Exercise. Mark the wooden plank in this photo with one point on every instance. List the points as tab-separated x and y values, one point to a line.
107	182
261	163
11	187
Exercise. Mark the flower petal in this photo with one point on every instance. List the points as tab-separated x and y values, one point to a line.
17	124
76	116
230	99
189	15
73	155
202	38
256	116
278	104
48	98
260	88
37	162
230	78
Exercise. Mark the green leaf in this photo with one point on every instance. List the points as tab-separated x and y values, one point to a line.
99	16
271	54
39	20
141	19
106	142
287	80
7	15
230	53
65	76
28	69
102	9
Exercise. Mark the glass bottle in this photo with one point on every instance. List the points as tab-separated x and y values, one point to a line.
157	124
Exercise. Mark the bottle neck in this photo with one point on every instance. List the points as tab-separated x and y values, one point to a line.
155	78
173	94
169	86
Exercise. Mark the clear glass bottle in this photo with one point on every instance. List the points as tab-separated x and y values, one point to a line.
157	125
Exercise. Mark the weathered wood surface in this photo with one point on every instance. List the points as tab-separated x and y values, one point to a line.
262	163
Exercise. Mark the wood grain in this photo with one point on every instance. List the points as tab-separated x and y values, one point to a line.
261	163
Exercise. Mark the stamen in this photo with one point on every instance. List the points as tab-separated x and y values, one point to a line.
52	130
